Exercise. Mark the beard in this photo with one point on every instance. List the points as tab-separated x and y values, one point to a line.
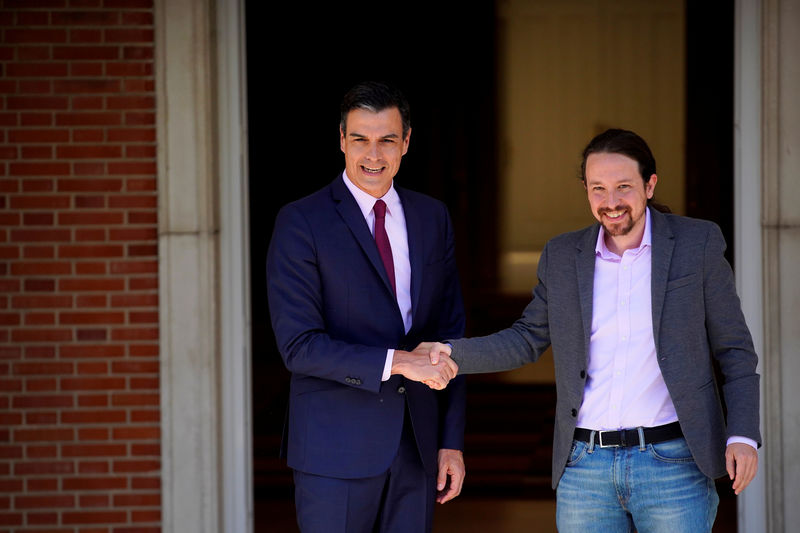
615	229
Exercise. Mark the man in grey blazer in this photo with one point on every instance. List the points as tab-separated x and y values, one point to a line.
637	308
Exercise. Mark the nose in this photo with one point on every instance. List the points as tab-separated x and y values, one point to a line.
373	151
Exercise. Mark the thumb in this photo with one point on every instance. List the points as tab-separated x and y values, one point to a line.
441	482
730	465
434	355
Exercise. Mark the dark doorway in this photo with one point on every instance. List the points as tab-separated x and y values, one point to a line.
300	61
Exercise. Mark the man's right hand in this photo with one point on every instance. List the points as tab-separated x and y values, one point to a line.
419	368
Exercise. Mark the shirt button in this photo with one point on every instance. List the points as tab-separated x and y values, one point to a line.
401	390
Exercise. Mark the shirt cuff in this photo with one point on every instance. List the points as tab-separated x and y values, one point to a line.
387	367
745	440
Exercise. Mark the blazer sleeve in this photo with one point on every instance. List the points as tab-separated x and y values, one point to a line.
296	310
730	341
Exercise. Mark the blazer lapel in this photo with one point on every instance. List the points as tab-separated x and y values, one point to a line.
414	233
661	256
348	209
584	265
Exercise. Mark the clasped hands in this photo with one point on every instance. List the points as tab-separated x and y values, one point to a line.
429	363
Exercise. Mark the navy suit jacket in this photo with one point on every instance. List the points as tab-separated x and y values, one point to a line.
697	319
334	315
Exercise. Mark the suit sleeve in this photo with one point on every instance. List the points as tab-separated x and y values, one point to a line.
730	341
453	399
296	310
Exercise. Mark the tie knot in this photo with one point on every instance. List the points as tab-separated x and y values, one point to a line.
380	209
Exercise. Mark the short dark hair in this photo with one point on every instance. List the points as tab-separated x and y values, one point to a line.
375	96
629	144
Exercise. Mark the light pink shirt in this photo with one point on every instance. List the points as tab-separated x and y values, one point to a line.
398	239
624	387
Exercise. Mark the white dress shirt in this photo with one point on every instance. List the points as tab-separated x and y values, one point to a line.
398	239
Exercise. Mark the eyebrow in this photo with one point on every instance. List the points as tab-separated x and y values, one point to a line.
361	135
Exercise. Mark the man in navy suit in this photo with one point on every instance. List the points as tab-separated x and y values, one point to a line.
637	308
358	274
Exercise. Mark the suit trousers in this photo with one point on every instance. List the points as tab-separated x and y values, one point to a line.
401	500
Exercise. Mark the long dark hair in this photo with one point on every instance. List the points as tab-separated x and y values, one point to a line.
629	144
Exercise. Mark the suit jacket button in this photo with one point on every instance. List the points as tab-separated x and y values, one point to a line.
348	380
574	412
583	374
357	381
401	390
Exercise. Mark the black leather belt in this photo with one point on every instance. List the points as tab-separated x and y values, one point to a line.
630	437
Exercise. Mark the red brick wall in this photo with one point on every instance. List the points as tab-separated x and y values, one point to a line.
79	384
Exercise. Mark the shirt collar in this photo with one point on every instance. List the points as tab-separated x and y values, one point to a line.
647	239
366	201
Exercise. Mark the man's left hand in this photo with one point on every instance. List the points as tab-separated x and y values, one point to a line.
451	463
741	461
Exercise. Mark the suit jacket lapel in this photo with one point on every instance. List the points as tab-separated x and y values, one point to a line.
348	209
661	256
415	235
584	264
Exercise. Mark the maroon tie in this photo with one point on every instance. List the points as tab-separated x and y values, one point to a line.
382	240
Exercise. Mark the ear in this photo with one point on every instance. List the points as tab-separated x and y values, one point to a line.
341	139
650	186
406	141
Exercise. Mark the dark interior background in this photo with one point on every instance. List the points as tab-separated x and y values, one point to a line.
300	62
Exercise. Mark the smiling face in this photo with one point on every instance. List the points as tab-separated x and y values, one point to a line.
618	197
373	147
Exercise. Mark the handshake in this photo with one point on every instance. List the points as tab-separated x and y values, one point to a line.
429	363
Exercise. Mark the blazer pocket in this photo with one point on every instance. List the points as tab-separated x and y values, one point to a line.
680	282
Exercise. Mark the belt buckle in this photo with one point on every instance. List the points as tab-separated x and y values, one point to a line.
600	434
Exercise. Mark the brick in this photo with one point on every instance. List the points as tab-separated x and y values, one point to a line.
134	300
85	18
135	399
86	434
92	417
84	335
77	68
40	285
40	202
90	251
136	433
32	18
139	151
35	87
72	318
40	235
86	103
76	384
35	119
37	102
88	119
9	285
140	483
133	201
91	269
41	418
142	250
100	350
88	151
91	284
93	517
94	467
11	452
144	350
132	135
43	519
38	35
9	319
90	201
134	466
38	169
129	234
90	168
87	85
41	385
84	235
137	18
93	450
93	400
143	317
44	467
42	485
146	449
94	483
38	401
37	185
134	334
10	519
40	352
39	252
94	500
128	103
91	300
40	319
9	252
51	501
33	152
40	269
41	335
33	53
84	218
137	52
88	135
40	368
137	500
86	52
137	118
44	434
129	4
85	36
13	485
39	219
91	184
128	69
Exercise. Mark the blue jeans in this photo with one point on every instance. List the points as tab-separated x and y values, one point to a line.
654	488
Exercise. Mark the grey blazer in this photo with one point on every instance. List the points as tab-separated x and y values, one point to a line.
696	317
